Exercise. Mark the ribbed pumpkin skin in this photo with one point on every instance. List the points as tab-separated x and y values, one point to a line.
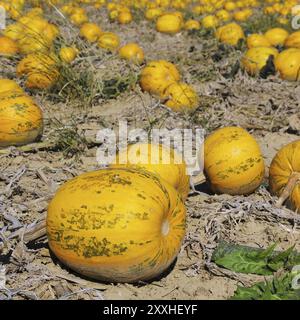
175	174
109	225
21	120
286	162
233	161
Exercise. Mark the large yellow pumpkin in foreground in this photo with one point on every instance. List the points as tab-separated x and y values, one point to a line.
21	120
233	161
116	225
158	75
285	175
158	159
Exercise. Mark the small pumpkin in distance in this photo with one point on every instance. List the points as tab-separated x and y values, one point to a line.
90	31
79	18
153	13
116	225
181	97
288	64
125	17
40	70
276	36
158	159
132	52
223	15
68	54
109	41
210	22
233	162
230	34
284	176
257	40
255	59
293	40
169	23
158	75
192	24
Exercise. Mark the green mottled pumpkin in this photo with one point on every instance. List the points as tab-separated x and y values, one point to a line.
21	120
116	224
233	162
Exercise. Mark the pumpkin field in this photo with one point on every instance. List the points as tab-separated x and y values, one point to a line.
73	228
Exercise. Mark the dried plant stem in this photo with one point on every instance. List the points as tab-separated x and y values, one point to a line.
294	179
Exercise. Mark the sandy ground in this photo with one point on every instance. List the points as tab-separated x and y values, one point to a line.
269	109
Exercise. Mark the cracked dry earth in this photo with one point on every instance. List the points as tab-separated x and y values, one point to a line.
269	109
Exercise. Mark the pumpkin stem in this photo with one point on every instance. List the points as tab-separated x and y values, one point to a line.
294	179
197	180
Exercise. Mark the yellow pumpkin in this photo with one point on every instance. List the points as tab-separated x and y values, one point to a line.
293	40
257	40
7	85
242	15
229	6
233	162
288	64
158	159
158	75
21	120
192	25
90	31
109	41
40	70
132	52
116	225
125	17
8	47
210	21
230	34
285	175
68	54
181	97
153	13
223	15
276	36
78	19
256	58
168	23
13	31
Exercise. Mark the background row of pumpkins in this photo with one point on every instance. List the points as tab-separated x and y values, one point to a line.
126	223
32	34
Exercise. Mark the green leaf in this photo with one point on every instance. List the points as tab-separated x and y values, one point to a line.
281	259
244	262
277	289
245	259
